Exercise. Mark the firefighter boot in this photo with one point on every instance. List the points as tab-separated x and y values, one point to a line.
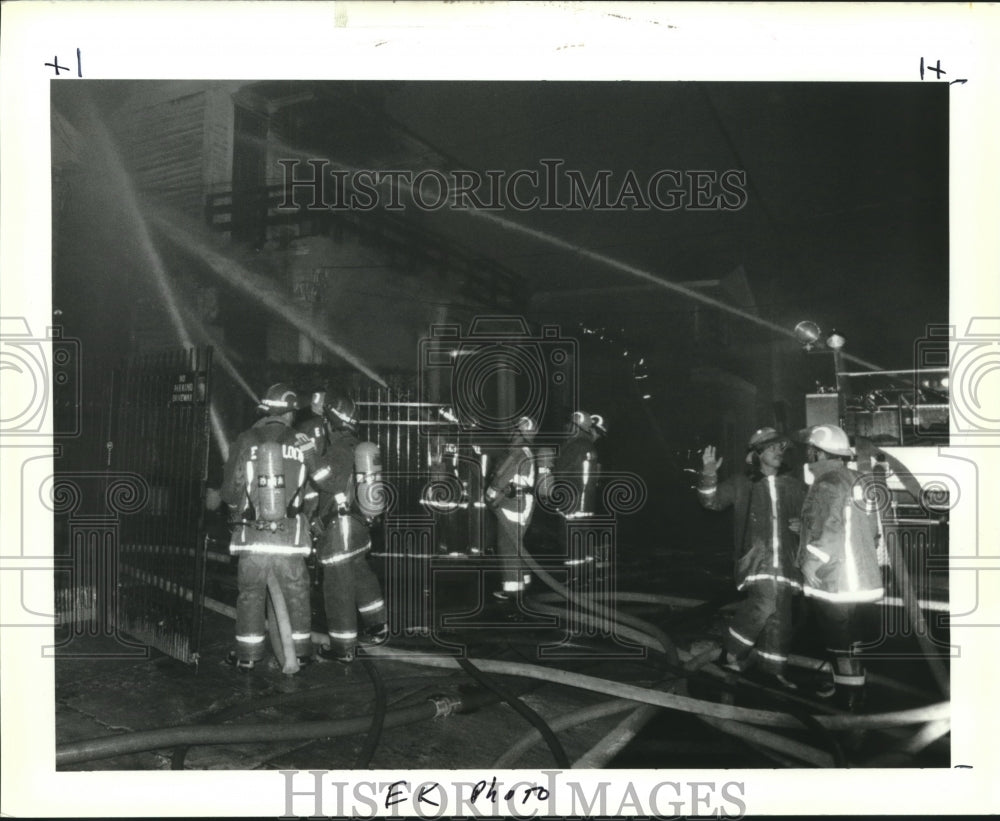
376	636
344	655
849	679
238	664
850	697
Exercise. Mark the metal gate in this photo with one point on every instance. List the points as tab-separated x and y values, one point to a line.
394	419
161	430
135	548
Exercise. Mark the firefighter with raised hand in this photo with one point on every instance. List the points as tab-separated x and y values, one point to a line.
264	482
767	503
509	496
838	555
351	498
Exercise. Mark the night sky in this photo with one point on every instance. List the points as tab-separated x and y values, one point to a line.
846	215
844	218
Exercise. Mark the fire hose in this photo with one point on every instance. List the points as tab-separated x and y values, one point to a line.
671	701
279	628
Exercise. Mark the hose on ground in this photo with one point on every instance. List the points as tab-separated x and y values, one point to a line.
532	717
567	721
367	750
598	756
774	741
188	735
927	735
552	675
811	724
220	716
594	712
640	637
626	597
686	608
795	660
818	666
111	746
614	742
666	643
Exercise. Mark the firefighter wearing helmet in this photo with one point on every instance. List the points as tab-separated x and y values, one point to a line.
312	438
838	555
264	483
509	496
351	496
766	502
570	490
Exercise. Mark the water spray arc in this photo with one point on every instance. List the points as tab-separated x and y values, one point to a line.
593	256
256	287
121	181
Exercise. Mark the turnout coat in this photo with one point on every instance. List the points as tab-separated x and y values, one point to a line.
763	546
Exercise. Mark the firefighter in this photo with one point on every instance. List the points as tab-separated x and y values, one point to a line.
351	497
445	495
312	423
570	486
838	555
263	484
509	496
767	503
313	440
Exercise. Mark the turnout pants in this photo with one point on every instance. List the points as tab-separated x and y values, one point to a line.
350	587
251	577
838	625
761	631
510	539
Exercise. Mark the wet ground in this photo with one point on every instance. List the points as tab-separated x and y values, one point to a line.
98	696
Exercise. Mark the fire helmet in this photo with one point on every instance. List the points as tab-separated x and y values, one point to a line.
583	420
829	439
340	412
763	438
526	426
278	399
314	428
317	400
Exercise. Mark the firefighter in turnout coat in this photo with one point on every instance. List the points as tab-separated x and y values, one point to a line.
766	520
351	496
838	555
264	482
570	489
509	496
